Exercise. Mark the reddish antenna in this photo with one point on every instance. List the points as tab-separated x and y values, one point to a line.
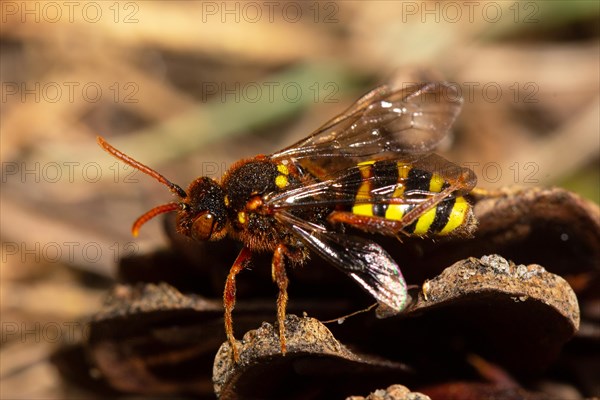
164	208
176	189
138	165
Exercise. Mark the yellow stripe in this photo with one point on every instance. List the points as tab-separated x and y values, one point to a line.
281	181
396	211
363	209
403	170
457	216
364	191
365	163
282	169
425	221
436	183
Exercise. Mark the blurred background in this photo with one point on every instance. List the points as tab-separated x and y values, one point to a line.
190	87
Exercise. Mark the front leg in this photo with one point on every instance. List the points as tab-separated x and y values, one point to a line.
280	277
240	263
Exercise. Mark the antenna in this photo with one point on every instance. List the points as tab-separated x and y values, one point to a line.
139	166
165	208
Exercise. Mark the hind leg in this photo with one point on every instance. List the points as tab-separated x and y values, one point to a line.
280	278
240	263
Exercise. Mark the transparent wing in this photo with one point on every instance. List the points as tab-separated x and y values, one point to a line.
385	123
363	260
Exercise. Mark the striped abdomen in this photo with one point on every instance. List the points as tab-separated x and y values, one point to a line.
391	189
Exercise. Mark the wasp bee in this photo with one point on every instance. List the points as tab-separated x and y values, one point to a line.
370	168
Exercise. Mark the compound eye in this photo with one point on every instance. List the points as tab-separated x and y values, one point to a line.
203	226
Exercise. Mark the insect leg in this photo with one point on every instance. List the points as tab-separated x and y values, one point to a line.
240	263
368	224
280	277
481	194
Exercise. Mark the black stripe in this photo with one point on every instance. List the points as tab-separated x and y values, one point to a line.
418	179
442	215
379	209
411	228
385	174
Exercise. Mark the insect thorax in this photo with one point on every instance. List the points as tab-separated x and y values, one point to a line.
245	185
